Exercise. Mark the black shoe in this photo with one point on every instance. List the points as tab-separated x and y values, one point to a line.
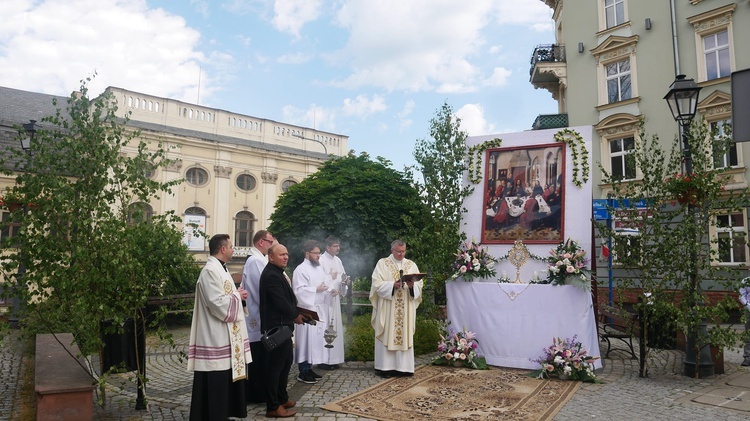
746	363
325	367
306	377
334	367
384	374
314	374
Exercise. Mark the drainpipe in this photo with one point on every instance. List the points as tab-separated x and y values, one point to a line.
675	50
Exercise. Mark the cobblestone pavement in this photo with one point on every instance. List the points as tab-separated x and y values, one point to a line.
621	395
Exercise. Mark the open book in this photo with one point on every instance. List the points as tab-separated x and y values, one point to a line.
413	277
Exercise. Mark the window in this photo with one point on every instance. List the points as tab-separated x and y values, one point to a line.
287	184
725	151
195	211
716	52
9	228
139	212
196	176
243	229
246	182
714	44
618	81
731	238
622	165
614	11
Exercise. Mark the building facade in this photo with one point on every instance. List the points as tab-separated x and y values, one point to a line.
233	167
613	62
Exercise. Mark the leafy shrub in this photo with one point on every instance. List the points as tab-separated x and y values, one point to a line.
359	339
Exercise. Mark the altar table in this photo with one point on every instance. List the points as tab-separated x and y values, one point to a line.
514	323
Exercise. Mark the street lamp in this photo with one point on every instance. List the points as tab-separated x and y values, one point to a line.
682	99
313	140
14	318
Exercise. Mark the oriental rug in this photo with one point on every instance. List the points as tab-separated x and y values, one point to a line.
447	393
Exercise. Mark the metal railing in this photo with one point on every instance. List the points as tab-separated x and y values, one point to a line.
554	53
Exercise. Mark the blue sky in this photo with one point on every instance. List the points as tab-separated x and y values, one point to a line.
376	71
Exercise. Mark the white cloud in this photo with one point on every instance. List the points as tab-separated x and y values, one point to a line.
291	15
294	58
416	45
499	78
52	45
530	13
201	7
362	106
473	121
317	117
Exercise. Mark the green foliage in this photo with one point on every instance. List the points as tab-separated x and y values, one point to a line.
674	258
441	161
78	258
359	339
360	201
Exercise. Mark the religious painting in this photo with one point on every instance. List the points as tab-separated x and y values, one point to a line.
524	194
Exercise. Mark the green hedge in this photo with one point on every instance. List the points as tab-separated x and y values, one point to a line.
359	338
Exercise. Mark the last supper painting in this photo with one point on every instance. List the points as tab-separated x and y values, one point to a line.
523	194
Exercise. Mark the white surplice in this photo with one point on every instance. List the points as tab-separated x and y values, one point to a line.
309	343
254	266
334	269
394	315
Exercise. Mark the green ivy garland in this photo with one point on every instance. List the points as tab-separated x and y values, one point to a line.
573	139
475	158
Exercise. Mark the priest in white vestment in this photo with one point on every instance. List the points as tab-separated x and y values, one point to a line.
394	314
310	286
255	388
219	349
331	315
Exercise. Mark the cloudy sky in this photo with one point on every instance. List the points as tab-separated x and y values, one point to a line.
376	71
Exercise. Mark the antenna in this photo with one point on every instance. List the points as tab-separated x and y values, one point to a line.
200	70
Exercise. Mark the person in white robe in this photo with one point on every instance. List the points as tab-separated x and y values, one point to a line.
255	388
219	349
309	283
337	284
394	314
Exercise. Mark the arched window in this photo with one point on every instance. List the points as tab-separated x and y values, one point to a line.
287	184
195	211
243	229
246	182
139	212
196	176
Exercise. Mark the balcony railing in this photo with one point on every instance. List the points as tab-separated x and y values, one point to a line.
554	53
550	121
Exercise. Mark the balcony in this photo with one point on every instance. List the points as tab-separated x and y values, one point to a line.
550	121
548	68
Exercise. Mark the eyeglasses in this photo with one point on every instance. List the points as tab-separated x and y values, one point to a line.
314	252
266	239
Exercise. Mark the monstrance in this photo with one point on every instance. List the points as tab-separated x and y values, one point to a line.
517	256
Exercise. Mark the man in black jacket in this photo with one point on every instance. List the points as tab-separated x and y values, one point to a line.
278	306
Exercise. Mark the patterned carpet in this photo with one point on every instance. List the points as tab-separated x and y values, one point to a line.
447	393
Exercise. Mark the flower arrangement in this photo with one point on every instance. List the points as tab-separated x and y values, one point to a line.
459	349
566	359
473	260
567	265
692	189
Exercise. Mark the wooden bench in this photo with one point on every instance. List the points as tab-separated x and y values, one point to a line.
617	324
64	388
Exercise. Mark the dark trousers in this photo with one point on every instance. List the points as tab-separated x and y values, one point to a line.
255	388
277	375
216	397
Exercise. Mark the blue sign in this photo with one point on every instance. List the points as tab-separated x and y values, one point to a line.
601	206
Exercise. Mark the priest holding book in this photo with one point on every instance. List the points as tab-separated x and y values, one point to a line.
395	294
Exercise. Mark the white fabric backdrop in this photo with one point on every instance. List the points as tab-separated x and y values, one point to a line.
516	322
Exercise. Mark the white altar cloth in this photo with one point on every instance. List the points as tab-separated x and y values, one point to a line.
514	323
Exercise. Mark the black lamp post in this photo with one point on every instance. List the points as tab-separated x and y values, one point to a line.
683	102
14	318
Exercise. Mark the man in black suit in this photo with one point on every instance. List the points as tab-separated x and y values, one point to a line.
278	306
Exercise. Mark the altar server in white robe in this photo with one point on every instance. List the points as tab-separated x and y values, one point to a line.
394	314
337	282
255	387
219	349
310	286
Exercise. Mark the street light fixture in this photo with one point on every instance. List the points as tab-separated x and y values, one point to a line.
30	129
682	99
313	140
